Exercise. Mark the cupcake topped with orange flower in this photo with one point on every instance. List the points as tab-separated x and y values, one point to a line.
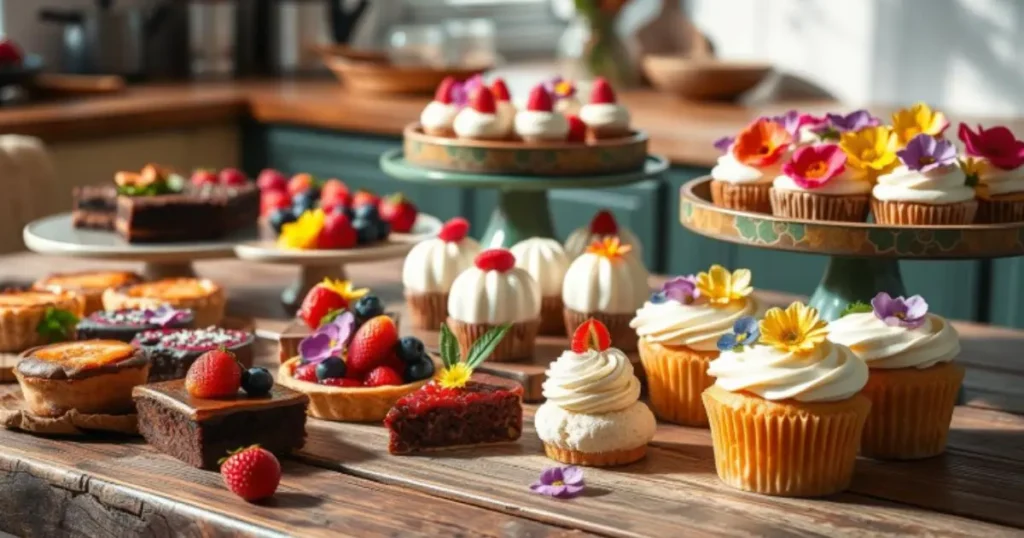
742	177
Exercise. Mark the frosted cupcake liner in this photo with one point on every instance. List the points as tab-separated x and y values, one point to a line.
595	459
753	197
427	310
908	213
552	323
518	343
676	378
623	336
812	206
999	209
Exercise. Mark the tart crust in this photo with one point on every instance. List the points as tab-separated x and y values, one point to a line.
345	404
205	297
88	284
21	312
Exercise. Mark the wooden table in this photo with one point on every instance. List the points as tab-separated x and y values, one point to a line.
344	482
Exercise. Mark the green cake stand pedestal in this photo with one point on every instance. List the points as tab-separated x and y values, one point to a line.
522	210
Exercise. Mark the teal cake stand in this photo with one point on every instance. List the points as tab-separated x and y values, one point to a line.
522	210
864	257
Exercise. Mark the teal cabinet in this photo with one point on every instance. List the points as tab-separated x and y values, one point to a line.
1006	306
686	252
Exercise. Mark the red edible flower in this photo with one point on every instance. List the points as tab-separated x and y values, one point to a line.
996	145
813	166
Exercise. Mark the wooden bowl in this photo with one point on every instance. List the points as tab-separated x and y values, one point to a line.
703	79
380	77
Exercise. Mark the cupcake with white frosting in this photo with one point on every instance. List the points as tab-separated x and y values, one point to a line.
491	293
480	120
782	378
438	117
678	330
742	177
996	162
431	267
503	102
538	122
914	382
604	116
929	187
816	184
602	226
545	260
592	414
606	284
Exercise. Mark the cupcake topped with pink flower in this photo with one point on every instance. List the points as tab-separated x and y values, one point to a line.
995	165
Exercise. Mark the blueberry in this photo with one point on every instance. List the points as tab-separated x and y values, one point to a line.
367	307
257	381
280	217
347	211
304	201
368	212
410	349
422	368
330	367
366	231
383	230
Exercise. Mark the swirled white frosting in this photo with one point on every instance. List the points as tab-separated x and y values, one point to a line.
432	265
438	115
541	125
568	105
470	123
610	285
493	297
830	372
592	382
886	346
546	262
696	326
998	181
942	185
730	170
581	238
605	115
843	184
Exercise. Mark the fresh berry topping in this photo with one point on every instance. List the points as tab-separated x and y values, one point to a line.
337	233
300	183
399	212
368	212
304	201
410	349
10	54
444	90
330	367
383	230
372	344
203	177
495	259
394	362
577	129
306	372
272	180
271	200
421	368
279	217
602	93
215	374
540	100
367	307
500	90
252	473
382	375
320	301
257	381
367	231
591	334
336	202
482	101
232	176
454	230
604	223
333	189
341	382
363	198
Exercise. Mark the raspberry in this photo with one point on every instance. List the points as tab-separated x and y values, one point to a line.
602	93
454	230
382	375
495	259
604	223
482	100
540	100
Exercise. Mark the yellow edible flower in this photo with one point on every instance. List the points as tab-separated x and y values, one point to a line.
870	152
918	119
609	247
303	233
720	287
797	329
455	376
344	289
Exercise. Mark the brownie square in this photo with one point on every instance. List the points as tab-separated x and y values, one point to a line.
94	207
196	214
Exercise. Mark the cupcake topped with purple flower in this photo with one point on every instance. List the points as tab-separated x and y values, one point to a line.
928	174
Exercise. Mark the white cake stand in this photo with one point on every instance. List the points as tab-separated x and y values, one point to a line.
317	265
56	236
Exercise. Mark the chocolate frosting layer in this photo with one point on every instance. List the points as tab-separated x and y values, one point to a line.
172	394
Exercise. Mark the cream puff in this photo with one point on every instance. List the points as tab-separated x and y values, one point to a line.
438	118
539	122
479	120
605	118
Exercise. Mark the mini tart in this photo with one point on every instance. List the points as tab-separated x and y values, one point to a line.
21	312
89	284
90	377
345	404
204	297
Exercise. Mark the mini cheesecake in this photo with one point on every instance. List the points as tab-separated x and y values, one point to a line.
89	284
204	297
124	325
172	351
22	311
91	377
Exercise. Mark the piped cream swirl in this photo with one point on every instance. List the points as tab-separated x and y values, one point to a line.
996	181
942	185
885	346
730	170
592	382
696	326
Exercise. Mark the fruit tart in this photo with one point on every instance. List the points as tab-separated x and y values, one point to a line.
323	303
173	351
355	372
90	377
204	297
33	318
88	284
125	324
456	410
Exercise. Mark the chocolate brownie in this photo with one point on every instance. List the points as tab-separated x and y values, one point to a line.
197	213
94	207
125	324
201	431
172	351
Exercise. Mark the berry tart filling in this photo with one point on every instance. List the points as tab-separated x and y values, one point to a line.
172	351
126	323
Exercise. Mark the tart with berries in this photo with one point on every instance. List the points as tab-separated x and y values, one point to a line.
204	297
90	377
33	318
88	284
323	303
355	372
456	410
173	351
125	324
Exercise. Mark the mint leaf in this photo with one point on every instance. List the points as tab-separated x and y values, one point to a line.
856	308
485	345
57	325
450	354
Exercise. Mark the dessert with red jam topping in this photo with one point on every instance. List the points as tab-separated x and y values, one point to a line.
172	351
124	324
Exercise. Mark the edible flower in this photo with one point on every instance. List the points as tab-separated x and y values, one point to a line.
723	144
344	289
854	121
745	332
721	287
611	248
681	289
793	121
909	313
762	143
456	373
918	119
330	340
165	315
303	233
461	91
870	152
797	329
973	168
857	307
925	153
813	166
57	325
996	145
559	482
560	88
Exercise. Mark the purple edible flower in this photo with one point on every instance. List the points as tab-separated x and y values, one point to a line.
681	289
909	313
925	153
330	340
559	482
790	121
854	121
723	144
462	91
165	315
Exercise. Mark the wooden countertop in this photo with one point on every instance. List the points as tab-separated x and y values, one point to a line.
344	482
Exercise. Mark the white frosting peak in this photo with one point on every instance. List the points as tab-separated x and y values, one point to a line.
592	382
546	262
696	326
605	115
471	123
541	125
886	346
730	170
438	115
998	181
493	297
942	185
432	265
596	283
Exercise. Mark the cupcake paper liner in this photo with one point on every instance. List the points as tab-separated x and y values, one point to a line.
427	310
742	196
623	336
812	206
787	448
552	323
911	410
676	378
999	209
911	214
595	459
518	342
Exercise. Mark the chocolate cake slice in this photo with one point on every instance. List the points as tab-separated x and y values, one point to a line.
195	214
94	207
201	431
125	324
172	351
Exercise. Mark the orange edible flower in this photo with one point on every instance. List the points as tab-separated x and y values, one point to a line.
609	247
762	143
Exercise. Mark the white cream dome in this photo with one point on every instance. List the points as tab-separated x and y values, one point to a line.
611	285
494	297
432	265
581	238
546	262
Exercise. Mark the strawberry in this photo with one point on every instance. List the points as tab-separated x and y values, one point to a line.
215	374
300	183
372	344
272	180
540	100
271	200
306	372
577	129
394	362
337	232
602	93
495	259
333	188
482	101
10	54
319	302
591	334
604	223
454	230
232	176
444	90
399	212
252	473
383	375
203	177
365	198
500	90
335	200
341	382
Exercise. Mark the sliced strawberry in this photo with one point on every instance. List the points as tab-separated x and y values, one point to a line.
591	334
319	302
454	230
495	259
540	100
306	372
381	376
482	101
372	344
604	223
577	129
602	93
341	382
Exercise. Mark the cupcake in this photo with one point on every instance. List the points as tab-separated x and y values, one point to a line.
816	185
430	269
605	118
785	411
929	187
592	414
606	284
438	118
491	293
564	94
996	165
503	102
742	177
913	383
678	330
602	226
479	120
538	123
545	261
